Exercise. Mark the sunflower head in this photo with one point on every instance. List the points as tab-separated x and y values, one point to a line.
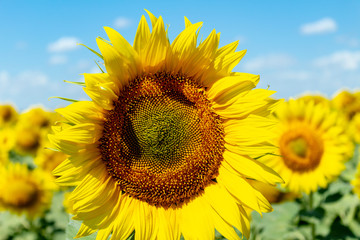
27	140
316	98
37	117
313	145
348	102
354	128
48	160
167	140
24	191
8	115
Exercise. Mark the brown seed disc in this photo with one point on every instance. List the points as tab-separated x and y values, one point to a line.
25	194
162	142
301	148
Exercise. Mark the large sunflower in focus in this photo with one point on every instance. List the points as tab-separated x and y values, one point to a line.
163	148
24	191
313	145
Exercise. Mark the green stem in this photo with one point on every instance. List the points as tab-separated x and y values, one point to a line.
313	227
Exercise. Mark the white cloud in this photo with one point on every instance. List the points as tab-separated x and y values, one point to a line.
58	59
272	61
122	22
325	25
342	60
63	44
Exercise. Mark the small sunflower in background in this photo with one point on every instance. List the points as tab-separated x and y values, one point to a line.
28	139
38	117
48	159
347	102
8	115
163	148
316	98
25	191
354	128
313	145
7	142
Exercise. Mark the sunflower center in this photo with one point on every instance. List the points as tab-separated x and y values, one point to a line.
301	149
28	140
21	194
162	142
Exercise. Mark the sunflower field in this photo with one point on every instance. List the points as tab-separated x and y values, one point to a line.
173	143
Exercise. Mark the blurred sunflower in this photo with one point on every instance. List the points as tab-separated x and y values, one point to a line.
7	142
24	191
163	147
316	98
354	128
37	117
48	160
313	145
28	139
8	115
347	102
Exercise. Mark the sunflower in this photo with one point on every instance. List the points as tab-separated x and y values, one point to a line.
28	140
163	148
48	160
38	117
24	191
316	98
8	115
7	141
313	145
347	102
354	128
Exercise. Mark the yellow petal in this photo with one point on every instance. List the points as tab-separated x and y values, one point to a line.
85	231
227	89
199	225
157	49
241	190
124	222
130	56
142	36
223	204
152	18
115	64
82	112
250	168
228	62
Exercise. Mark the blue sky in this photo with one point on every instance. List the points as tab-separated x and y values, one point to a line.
295	46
